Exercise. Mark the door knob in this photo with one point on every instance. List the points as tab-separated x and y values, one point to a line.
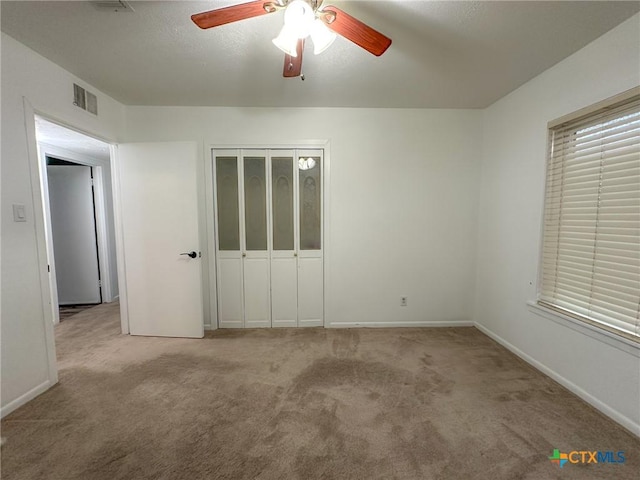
244	254
190	254
295	254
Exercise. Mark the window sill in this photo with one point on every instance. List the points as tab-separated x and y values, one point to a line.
619	342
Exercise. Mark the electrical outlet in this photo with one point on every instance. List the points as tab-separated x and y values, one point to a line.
403	301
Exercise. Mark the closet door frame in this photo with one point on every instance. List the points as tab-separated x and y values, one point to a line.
211	210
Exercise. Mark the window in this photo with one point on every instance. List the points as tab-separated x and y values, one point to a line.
591	243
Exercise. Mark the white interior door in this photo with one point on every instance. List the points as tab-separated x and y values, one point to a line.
159	215
73	228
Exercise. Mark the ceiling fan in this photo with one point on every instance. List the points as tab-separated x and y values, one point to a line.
302	19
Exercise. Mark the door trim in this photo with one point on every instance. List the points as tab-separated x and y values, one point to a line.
324	145
29	118
119	234
30	112
41	244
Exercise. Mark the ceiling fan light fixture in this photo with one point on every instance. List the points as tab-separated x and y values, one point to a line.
321	36
306	163
287	41
299	17
302	18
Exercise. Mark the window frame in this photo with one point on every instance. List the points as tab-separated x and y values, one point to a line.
610	334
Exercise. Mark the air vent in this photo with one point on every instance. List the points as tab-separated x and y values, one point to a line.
78	97
113	6
85	100
92	103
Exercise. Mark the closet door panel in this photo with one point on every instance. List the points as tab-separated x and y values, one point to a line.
228	218
310	201
310	292
310	265
255	203
229	260
256	293
282	201
257	302
284	292
230	311
284	286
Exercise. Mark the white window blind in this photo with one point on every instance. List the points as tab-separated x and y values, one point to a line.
591	244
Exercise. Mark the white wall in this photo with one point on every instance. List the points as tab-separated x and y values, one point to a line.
25	358
604	372
402	200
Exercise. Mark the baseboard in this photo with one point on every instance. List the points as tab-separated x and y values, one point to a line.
284	324
22	399
313	323
452	323
234	324
310	323
616	416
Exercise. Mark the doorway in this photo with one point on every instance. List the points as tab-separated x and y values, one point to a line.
75	175
269	239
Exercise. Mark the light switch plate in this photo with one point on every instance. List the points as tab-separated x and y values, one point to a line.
19	214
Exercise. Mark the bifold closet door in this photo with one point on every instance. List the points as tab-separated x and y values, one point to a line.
284	265
242	239
269	237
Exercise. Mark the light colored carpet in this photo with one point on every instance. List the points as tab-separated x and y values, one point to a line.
301	404
66	311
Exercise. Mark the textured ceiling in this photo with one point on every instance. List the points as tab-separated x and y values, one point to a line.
453	54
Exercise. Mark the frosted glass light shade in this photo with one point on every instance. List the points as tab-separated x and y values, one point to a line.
322	37
299	16
287	41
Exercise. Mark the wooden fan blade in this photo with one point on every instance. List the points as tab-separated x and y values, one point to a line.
293	65
354	30
222	16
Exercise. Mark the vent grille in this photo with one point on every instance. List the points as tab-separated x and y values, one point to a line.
85	100
78	96
113	6
92	103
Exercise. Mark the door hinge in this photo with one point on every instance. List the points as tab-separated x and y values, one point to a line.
49	268
100	283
